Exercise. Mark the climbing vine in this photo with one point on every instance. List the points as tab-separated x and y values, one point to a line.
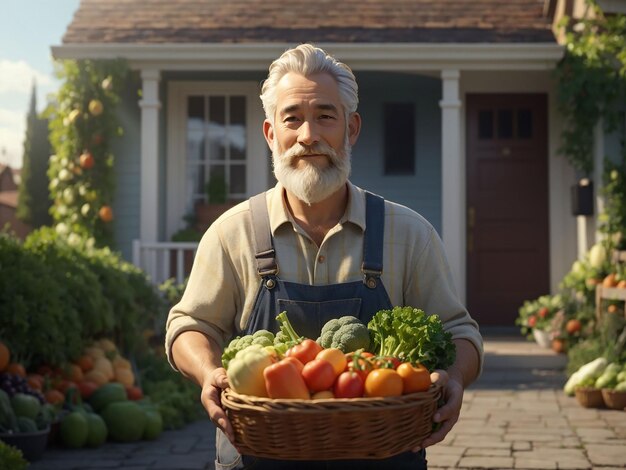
592	82
82	125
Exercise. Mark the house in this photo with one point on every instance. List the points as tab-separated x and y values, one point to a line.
457	98
9	183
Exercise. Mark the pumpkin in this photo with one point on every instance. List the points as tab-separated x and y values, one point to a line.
121	363
85	362
15	368
107	345
124	376
5	356
73	372
54	397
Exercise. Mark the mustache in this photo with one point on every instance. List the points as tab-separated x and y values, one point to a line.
319	148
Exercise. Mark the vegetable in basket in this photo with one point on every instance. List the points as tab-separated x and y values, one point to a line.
410	334
287	336
347	333
245	371
261	337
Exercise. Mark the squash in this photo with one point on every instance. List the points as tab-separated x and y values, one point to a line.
154	424
26	425
125	420
74	429
25	405
96	376
103	365
120	362
95	352
107	394
97	430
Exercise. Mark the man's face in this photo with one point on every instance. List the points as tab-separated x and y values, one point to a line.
310	137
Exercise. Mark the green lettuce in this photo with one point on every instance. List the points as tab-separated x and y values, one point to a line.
413	336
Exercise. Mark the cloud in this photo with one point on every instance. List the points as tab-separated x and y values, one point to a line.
12	128
17	77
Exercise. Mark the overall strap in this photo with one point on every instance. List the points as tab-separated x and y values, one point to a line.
372	266
264	249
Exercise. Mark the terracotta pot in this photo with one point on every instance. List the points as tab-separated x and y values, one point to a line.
206	214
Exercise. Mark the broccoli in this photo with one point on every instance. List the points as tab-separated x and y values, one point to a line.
346	333
261	337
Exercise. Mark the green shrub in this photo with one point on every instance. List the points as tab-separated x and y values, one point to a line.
11	458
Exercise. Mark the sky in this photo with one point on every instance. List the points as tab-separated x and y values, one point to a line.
27	30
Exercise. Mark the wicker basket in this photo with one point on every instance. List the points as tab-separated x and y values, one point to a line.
589	397
328	429
614	399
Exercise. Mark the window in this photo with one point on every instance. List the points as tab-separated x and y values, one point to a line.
399	138
216	145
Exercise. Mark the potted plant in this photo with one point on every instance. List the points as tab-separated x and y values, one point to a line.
217	203
536	318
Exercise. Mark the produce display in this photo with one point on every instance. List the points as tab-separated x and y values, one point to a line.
390	356
599	384
90	400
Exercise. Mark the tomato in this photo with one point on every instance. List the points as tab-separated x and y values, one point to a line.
318	375
305	351
336	357
134	393
383	383
532	321
543	312
573	326
414	378
387	362
86	388
348	385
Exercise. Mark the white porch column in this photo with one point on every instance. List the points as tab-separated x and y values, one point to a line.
453	179
149	204
598	172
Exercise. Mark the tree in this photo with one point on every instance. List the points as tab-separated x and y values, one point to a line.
34	196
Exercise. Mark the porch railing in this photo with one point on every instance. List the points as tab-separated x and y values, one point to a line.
164	260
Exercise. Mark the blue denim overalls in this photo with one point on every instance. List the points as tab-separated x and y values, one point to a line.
309	308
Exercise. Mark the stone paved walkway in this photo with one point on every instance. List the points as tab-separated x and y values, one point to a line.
514	417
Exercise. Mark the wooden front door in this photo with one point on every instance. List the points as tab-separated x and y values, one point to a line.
507	204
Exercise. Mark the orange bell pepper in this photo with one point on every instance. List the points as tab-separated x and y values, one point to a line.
283	380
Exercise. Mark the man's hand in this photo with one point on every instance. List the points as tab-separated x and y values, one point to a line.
449	413
211	400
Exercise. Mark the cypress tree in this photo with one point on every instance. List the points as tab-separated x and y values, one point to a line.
34	196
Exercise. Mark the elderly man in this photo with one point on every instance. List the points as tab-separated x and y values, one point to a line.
314	237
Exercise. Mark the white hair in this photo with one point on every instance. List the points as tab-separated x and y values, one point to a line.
307	60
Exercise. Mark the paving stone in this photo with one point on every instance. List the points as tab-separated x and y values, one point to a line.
530	462
486	451
486	462
182	462
573	464
606	454
521	445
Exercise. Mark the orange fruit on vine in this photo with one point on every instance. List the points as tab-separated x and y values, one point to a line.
106	214
5	356
86	160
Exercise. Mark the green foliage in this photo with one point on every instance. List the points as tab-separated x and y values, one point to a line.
176	398
83	121
412	335
613	219
216	189
61	296
34	197
11	458
592	83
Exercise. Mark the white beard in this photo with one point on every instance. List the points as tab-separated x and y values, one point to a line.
311	183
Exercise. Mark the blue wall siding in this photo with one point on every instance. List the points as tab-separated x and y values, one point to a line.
422	191
127	153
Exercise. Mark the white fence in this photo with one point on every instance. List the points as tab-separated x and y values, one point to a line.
163	260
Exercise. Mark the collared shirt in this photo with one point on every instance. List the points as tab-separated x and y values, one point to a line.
223	283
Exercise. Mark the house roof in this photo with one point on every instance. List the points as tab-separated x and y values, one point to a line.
338	21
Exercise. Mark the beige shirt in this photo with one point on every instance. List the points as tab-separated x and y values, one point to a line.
223	283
